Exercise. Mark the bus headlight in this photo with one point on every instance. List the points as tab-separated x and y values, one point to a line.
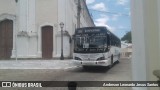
101	58
77	58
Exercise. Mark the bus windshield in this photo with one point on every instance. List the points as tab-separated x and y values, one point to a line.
90	43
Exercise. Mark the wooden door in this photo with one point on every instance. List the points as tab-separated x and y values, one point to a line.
6	39
47	42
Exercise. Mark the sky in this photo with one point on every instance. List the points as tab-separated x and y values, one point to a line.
114	14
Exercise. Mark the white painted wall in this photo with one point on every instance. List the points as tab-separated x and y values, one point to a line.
26	24
152	30
46	11
145	32
46	14
9	12
66	46
10	7
86	20
31	15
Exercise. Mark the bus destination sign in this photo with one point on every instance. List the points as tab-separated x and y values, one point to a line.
80	31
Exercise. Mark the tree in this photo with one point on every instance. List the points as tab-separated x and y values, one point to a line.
127	37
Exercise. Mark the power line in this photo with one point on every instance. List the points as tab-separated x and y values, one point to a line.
115	13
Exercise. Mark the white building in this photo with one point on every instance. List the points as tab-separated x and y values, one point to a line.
126	50
146	40
30	28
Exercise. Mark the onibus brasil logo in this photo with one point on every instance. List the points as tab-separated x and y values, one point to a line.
20	84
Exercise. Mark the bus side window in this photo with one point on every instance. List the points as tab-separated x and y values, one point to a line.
108	40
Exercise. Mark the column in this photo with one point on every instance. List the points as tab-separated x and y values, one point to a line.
23	7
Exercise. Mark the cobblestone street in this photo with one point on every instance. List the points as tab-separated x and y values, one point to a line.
69	72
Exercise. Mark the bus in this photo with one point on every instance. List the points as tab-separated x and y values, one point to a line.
96	46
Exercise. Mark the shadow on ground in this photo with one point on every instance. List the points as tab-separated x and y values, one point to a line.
93	69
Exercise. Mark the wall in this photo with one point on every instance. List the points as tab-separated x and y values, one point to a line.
10	7
31	15
46	14
86	19
26	32
151	27
9	12
126	52
145	32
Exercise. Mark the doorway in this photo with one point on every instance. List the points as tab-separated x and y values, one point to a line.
47	42
6	39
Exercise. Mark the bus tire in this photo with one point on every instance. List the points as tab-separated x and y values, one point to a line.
111	65
118	59
85	67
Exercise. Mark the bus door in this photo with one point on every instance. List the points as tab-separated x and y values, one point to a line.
108	41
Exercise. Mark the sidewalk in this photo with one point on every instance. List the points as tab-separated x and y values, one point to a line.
36	64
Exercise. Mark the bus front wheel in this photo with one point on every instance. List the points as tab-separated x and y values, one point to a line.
118	59
85	67
110	66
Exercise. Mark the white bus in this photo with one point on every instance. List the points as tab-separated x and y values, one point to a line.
96	46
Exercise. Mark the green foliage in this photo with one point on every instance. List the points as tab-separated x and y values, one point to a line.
127	37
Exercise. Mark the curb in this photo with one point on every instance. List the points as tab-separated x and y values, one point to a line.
40	64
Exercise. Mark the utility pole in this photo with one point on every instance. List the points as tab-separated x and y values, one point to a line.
78	13
17	12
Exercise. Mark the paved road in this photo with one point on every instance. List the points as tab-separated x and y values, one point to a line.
120	72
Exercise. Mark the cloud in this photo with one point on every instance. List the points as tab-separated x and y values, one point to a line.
102	21
129	13
127	8
99	6
115	17
123	28
90	1
122	2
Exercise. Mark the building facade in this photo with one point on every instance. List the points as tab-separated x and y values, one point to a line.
30	28
146	40
126	50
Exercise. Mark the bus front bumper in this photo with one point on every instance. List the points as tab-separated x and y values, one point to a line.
92	63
